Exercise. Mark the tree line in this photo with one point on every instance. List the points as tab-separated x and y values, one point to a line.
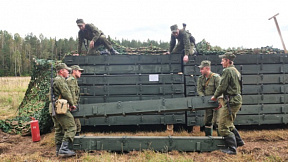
17	53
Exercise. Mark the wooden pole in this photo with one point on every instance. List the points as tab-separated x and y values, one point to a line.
279	32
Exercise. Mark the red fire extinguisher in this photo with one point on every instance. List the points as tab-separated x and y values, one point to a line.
35	130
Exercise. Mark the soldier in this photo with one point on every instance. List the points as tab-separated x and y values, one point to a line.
183	46
230	87
75	90
96	37
64	124
206	85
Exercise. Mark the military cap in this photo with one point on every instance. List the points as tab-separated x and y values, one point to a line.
205	63
228	55
62	66
174	28
80	21
76	67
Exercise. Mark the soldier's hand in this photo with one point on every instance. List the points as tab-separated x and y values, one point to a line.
75	54
217	108
167	53
185	58
213	98
72	108
91	45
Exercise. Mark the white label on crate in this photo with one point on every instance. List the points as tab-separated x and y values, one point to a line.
153	78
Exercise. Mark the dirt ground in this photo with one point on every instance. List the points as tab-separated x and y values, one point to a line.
258	147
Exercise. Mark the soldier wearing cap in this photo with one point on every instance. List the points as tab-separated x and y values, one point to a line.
75	90
64	124
183	46
230	87
206	85
94	35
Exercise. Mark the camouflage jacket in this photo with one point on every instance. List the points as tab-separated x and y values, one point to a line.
74	88
60	87
183	40
90	33
230	85
208	86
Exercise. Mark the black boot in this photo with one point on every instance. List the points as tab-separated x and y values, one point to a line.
113	52
208	131
239	140
57	149
64	150
77	134
231	145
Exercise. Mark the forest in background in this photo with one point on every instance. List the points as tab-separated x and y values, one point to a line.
16	53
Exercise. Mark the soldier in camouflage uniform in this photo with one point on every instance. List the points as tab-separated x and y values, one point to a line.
94	35
206	85
75	90
184	45
230	87
64	124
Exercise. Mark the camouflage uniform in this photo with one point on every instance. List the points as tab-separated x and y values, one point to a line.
206	87
75	90
184	45
230	87
92	33
64	124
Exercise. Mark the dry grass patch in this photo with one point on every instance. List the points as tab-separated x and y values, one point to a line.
12	92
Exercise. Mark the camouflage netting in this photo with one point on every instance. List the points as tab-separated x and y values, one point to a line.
203	48
35	103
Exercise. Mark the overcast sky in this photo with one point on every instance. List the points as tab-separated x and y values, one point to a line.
226	23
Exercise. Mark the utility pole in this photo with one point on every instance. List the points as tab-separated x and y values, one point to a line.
279	32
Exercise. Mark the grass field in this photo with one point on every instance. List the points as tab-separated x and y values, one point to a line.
261	145
12	91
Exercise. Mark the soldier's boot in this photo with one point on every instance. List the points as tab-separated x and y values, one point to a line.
239	140
57	149
230	143
77	134
113	51
65	151
208	131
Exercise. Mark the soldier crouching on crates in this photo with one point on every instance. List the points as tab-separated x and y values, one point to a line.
206	85
185	43
75	91
230	87
94	35
64	124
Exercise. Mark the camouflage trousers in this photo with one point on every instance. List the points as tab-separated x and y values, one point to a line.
226	120
78	125
211	117
65	127
102	40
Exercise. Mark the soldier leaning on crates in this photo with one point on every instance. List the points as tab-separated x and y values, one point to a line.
230	87
184	45
94	35
206	85
75	90
64	124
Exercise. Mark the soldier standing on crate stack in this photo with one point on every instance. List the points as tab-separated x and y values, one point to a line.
206	85
94	35
64	124
75	91
185	45
230	87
